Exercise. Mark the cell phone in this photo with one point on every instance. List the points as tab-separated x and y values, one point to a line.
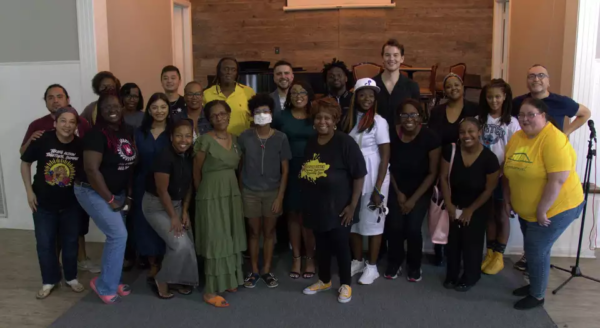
458	213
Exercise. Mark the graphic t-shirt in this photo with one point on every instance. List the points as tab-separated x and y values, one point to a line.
326	179
497	134
528	162
179	169
117	159
177	106
58	165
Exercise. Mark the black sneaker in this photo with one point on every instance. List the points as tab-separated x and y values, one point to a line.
392	272
521	265
415	275
529	302
521	292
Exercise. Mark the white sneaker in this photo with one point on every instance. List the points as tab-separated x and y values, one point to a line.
357	267
369	275
87	265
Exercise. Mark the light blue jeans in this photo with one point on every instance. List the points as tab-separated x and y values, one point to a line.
112	224
538	244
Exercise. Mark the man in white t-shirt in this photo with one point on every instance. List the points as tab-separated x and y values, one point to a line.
283	77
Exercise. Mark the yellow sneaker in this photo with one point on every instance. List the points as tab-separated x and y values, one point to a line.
488	258
345	294
496	264
317	287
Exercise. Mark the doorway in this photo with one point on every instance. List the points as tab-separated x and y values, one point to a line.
500	43
182	40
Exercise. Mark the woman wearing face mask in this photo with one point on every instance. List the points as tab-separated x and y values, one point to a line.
151	138
498	128
165	205
371	132
108	158
414	164
133	103
444	120
473	171
59	157
543	187
332	178
295	122
264	174
220	229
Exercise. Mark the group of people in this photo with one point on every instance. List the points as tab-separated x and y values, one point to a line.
208	173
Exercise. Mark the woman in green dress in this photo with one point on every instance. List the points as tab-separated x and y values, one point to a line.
295	122
220	231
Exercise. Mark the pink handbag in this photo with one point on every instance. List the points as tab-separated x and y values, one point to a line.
438	218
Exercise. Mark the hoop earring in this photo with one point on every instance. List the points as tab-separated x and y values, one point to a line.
335	127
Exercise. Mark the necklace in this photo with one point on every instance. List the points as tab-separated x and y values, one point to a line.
263	144
221	138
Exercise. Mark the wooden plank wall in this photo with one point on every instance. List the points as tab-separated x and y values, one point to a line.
443	31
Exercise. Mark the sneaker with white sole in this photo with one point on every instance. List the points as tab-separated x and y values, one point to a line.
415	275
87	265
357	267
392	272
369	275
319	286
345	294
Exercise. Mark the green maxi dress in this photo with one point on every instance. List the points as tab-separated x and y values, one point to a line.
220	230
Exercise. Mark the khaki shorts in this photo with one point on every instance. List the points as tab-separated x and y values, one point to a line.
259	203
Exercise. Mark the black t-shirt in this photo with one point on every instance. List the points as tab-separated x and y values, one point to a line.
326	178
118	156
179	169
409	162
467	183
387	104
177	107
448	132
58	165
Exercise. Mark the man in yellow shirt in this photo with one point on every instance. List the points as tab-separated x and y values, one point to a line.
225	87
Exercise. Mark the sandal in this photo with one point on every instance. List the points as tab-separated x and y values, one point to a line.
270	280
124	290
295	274
251	280
76	286
43	293
107	299
217	301
156	291
308	274
182	289
232	290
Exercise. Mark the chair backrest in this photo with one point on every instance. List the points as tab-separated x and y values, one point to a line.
405	73
363	70
459	69
432	78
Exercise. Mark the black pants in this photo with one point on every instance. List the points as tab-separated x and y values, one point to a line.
336	243
466	243
130	253
400	227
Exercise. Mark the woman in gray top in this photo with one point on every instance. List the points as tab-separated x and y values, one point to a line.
264	173
133	104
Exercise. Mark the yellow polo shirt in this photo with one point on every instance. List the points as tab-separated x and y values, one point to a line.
238	101
527	164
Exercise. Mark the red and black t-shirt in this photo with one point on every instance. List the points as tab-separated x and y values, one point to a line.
118	156
58	165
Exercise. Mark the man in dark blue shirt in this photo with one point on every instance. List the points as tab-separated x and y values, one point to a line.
559	107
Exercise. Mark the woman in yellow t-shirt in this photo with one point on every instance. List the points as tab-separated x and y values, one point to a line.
543	189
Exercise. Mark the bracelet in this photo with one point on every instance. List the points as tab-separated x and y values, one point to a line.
378	192
128	197
112	199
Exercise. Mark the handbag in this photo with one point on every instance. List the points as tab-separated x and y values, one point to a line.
437	218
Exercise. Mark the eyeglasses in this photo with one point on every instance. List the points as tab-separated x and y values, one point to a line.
134	97
411	115
530	116
540	76
298	94
195	94
219	115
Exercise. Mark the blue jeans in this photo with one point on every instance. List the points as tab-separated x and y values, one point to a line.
112	224
538	244
52	226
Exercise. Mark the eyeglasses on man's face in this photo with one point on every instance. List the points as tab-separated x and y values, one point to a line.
533	76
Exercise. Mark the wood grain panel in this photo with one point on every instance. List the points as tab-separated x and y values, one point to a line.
432	31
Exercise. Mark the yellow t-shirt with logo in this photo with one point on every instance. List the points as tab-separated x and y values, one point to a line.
527	164
238	101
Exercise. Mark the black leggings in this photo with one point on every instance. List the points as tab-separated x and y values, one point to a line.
466	243
336	243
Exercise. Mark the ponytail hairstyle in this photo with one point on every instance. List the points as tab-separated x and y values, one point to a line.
484	107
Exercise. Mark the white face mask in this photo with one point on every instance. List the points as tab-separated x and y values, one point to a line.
262	119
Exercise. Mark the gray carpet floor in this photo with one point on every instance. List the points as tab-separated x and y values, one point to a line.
385	303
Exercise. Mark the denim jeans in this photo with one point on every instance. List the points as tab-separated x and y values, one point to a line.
538	244
112	224
52	226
